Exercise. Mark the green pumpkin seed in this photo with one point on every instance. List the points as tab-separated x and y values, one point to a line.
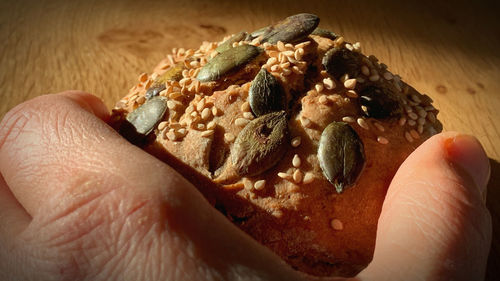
228	44
291	29
379	103
266	94
147	116
258	33
226	61
261	144
339	61
324	33
172	74
341	155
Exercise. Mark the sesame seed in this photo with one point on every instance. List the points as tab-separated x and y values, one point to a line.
408	137
207	133
415	98
286	72
323	100
329	84
318	87
247	184
412	123
421	121
422	113
338	41
289	53
171	135
296	141
360	79
200	126
275	68
431	117
211	125
382	140
336	224
374	77
363	124
414	134
298	54
302	45
357	46
200	105
194	63
387	76
297	70
174	95
348	119
352	94
194	114
365	70
206	113
259	185
308	178
412	115
215	111
305	122
296	161
285	65
402	121
429	108
408	108
297	176
241	122
379	126
350	83
182	131
248	115
171	104
245	107
281	46
143	77
141	99
271	61
162	125
420	129
228	137
284	176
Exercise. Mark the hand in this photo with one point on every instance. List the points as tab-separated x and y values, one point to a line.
78	202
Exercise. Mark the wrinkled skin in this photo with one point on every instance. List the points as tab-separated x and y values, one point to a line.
78	202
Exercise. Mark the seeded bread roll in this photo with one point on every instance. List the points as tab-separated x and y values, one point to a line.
291	132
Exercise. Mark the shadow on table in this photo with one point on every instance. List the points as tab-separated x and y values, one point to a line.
494	207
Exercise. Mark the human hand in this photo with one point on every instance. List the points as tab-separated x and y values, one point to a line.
78	202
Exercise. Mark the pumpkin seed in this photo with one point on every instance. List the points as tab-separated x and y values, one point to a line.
227	61
228	44
324	33
292	29
339	61
147	116
341	155
379	103
266	94
172	74
258	33
261	144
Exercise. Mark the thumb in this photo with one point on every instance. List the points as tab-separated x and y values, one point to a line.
434	223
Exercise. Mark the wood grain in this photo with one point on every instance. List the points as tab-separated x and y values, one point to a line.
447	50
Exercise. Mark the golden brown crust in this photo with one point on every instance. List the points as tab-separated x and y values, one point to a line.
296	212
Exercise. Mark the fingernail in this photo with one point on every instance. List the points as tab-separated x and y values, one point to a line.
466	152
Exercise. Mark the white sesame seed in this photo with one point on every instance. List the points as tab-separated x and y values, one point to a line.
352	94
215	111
305	122
412	123
285	65
259	185
349	47
296	161
318	87
382	140
285	176
379	126
348	119
194	63
200	105
207	133
247	184
206	113
241	122
322	99
374	77
182	131
357	46
194	114
275	68
414	134
412	115
308	178
211	125
171	135
289	53
248	115
297	176
271	61
297	70
200	126
298	54
408	137
388	76
363	124
281	46
162	125
329	83
365	70
336	224
350	83
286	72
296	141
431	117
228	137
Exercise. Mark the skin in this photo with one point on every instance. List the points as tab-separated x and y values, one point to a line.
78	202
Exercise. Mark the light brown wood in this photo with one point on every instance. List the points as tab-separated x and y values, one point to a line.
447	50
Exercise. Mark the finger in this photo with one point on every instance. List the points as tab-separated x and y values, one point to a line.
75	174
434	224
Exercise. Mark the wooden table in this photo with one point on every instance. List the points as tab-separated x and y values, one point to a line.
449	51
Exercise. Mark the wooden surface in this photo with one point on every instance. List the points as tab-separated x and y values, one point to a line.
448	50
